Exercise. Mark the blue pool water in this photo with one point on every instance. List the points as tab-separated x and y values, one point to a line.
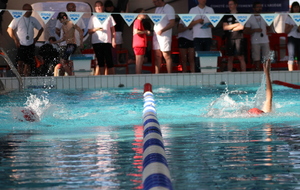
93	139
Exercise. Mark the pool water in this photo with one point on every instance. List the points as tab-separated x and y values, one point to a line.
93	139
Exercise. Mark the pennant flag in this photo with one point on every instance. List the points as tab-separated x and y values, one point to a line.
296	18
214	18
46	15
156	18
129	17
269	18
187	18
74	16
17	14
102	16
242	18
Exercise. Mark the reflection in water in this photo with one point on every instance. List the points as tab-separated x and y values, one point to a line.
221	156
84	162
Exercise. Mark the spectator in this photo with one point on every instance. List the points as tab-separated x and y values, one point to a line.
234	37
139	41
201	29
49	53
103	39
68	30
109	7
71	7
293	32
22	32
186	47
257	28
162	37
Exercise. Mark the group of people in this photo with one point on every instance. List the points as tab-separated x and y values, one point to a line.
106	38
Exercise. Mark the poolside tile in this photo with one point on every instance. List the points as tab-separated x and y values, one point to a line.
78	83
91	82
66	82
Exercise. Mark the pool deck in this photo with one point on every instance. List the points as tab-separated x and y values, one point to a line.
138	80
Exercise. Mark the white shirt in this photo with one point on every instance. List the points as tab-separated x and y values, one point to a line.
81	25
104	35
198	32
25	27
293	32
188	34
255	22
170	15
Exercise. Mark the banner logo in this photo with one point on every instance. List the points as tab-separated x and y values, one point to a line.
102	16
74	17
187	18
214	18
156	18
17	14
296	18
242	18
269	18
45	15
129	17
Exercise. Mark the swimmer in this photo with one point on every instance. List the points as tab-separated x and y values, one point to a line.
29	115
267	107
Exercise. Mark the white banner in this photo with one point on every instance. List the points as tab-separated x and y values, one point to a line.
296	18
74	16
242	18
269	18
17	14
129	17
187	18
102	16
45	15
214	18
156	18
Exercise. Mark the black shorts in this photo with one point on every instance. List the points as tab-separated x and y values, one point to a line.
185	43
235	47
26	54
70	49
103	52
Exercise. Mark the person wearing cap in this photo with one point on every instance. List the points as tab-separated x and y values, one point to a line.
267	107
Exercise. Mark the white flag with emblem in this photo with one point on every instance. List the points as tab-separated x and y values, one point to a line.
296	18
242	18
269	18
102	16
156	18
46	15
129	17
187	18
16	14
74	16
214	18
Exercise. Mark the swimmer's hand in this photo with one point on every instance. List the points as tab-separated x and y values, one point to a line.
267	65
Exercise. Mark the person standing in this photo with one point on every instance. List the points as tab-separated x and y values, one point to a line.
22	32
68	29
186	47
202	33
139	40
234	37
293	32
162	37
257	28
103	39
71	7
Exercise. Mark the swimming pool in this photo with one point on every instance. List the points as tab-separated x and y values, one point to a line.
93	138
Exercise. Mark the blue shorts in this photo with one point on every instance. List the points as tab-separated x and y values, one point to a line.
70	49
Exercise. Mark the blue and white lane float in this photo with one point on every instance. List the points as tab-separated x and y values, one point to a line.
156	174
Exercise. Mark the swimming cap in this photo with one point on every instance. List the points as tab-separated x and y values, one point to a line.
255	111
29	115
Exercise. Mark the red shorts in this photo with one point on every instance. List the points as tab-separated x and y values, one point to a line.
139	50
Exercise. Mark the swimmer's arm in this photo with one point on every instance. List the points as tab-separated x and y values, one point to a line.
269	92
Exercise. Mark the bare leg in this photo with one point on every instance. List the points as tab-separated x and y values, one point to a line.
191	57
66	66
21	67
139	59
110	71
290	65
230	63
242	61
168	58
27	70
157	60
183	59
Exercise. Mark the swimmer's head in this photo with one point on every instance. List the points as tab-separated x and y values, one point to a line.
255	111
28	115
